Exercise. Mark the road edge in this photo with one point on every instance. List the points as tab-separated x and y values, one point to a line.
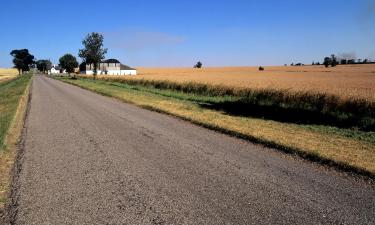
10	210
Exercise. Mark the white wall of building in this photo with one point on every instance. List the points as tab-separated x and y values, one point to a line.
54	71
111	72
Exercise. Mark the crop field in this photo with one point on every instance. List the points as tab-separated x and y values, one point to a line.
6	74
346	81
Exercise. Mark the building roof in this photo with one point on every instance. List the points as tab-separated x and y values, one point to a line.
125	67
111	61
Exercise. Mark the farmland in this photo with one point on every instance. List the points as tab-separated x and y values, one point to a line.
347	81
6	74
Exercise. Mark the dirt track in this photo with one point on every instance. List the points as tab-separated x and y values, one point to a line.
89	159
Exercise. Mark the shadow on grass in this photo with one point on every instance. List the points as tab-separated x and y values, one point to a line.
275	112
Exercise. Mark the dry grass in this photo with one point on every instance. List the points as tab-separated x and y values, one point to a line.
9	149
6	74
327	146
347	81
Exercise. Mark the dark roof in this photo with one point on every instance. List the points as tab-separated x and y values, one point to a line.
111	61
125	67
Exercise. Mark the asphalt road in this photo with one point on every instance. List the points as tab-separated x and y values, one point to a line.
90	159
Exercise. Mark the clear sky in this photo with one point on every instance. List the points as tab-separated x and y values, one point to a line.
179	33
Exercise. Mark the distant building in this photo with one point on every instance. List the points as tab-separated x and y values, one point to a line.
56	70
108	67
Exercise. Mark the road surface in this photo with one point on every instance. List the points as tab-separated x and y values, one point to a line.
90	159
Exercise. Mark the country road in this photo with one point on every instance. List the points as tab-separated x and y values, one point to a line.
90	159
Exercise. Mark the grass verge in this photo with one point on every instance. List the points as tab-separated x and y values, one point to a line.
281	105
347	149
13	101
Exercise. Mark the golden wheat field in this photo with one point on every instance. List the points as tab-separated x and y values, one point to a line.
7	73
347	81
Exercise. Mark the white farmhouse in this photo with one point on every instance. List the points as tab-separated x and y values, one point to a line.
108	67
56	70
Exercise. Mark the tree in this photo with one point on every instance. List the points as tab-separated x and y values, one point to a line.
43	65
22	60
327	61
69	63
198	65
333	60
93	53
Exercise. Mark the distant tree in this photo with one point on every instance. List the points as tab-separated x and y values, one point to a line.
69	63
343	61
260	68
198	65
93	53
365	61
327	61
351	61
48	65
43	65
333	60
292	64
22	60
318	63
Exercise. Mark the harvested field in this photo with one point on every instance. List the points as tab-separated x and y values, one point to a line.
347	81
6	74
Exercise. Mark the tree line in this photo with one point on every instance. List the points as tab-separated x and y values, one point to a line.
23	60
334	61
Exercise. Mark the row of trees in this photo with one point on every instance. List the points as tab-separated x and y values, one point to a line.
93	53
23	61
334	61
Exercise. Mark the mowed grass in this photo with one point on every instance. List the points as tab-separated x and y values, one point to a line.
346	81
347	149
13	100
6	74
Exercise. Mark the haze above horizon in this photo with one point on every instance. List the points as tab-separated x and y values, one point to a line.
175	33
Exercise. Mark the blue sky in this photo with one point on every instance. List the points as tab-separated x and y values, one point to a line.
178	33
